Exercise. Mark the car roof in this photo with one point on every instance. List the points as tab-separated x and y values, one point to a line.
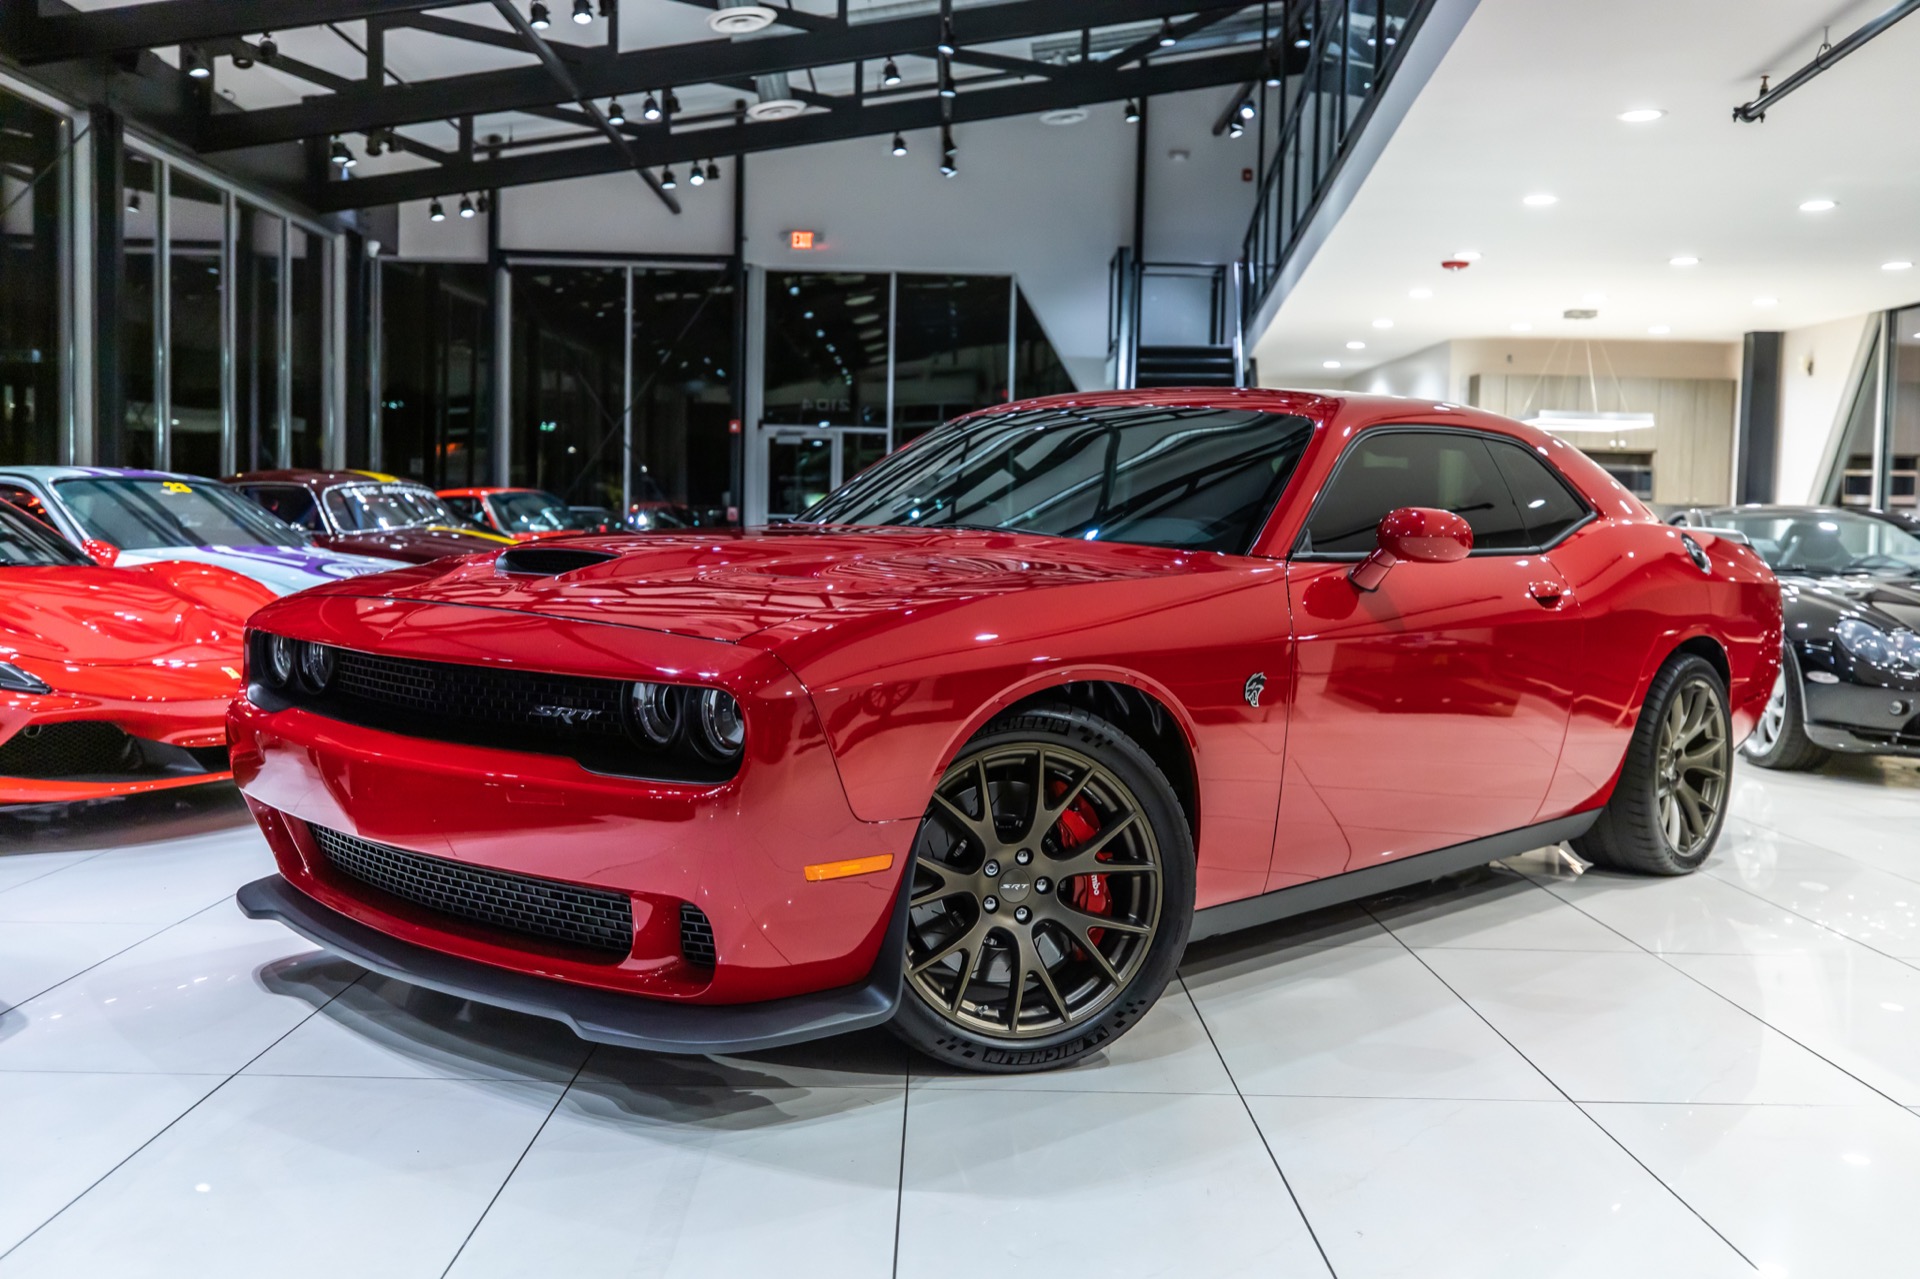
98	473
1323	405
318	479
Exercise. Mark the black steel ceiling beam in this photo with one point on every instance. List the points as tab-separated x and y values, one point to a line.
1755	111
1080	86
106	33
474	33
704	62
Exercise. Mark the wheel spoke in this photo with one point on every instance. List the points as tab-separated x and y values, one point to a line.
966	941
948	886
968	824
1080	920
1016	984
1696	820
1106	965
1053	991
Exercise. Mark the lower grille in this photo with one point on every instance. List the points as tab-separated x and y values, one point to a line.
590	919
696	937
74	749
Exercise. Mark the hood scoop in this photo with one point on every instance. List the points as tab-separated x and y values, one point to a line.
548	561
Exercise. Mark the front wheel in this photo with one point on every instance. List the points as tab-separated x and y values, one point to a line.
1779	739
1671	799
1052	893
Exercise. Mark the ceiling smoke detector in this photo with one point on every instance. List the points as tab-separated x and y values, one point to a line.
741	19
1064	115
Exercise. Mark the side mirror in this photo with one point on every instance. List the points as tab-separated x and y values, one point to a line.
105	554
1417	533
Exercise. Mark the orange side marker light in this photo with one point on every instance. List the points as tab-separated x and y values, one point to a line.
842	870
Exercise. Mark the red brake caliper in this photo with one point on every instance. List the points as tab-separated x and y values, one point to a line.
1078	825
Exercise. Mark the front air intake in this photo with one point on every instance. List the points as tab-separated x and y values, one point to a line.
696	937
588	919
548	561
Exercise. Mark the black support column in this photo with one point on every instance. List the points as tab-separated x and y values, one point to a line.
1757	453
109	278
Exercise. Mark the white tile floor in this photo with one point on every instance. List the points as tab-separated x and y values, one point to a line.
1519	1073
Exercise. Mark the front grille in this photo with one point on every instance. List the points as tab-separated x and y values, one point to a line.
696	937
81	748
577	716
590	919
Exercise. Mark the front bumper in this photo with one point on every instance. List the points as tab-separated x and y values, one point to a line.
599	1016
175	720
1869	711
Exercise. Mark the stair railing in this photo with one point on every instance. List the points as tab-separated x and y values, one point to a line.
1212	313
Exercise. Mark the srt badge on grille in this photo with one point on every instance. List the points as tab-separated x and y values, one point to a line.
568	715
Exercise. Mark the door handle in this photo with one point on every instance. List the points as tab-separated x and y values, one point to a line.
1548	594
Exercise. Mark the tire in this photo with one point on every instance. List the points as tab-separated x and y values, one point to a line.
1779	740
1095	948
1671	799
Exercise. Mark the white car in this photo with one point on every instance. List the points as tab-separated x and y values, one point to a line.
155	515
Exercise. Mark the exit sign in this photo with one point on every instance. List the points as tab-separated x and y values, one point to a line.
804	240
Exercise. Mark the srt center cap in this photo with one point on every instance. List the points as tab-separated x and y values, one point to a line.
1015	890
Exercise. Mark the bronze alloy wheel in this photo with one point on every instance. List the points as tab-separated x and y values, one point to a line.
1695	759
1038	885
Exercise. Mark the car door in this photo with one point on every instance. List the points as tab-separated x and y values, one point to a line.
1432	710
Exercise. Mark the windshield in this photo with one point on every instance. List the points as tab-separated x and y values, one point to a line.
26	542
361	507
1825	541
147	514
1193	478
530	511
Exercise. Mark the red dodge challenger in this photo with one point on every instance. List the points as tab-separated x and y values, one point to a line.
113	681
980	743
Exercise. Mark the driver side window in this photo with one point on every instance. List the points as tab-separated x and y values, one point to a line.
1388	469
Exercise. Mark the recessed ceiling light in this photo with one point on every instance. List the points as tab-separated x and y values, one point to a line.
1521	326
1766	301
1659	329
1468	255
1816	206
1540	200
1685	259
1383	324
1640	115
1420	294
1896	265
1330	364
1356	346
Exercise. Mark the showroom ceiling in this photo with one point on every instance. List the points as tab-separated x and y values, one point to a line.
1528	103
431	98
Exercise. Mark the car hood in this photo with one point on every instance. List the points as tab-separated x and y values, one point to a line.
282	569
417	545
107	616
730	586
1888	602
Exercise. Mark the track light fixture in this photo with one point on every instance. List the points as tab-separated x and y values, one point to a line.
481	203
650	110
890	74
194	61
948	151
946	47
1248	109
947	89
1167	37
436	212
672	102
133	202
466	207
696	176
713	171
899	144
341	155
376	143
582	12
667	181
1236	129
616	116
269	48
1133	111
537	17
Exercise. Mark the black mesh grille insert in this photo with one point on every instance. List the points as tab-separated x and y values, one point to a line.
81	748
576	716
696	937
591	919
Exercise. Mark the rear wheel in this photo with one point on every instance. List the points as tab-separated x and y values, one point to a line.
1779	740
1052	892
1671	800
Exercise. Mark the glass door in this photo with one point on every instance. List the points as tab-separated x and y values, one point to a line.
804	464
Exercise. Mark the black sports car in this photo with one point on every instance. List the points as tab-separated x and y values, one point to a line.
1850	587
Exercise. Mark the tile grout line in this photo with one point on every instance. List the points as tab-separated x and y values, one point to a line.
1253	1119
1555	1084
1837	852
1864	945
1730	1002
99	852
532	1141
168	1126
900	1187
7	1008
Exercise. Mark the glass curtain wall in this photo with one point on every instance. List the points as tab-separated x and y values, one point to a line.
32	226
258	357
436	360
1903	411
139	311
306	268
681	388
569	362
827	340
196	278
1851	483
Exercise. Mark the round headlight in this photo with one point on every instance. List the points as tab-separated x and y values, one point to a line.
316	666
656	711
280	660
720	731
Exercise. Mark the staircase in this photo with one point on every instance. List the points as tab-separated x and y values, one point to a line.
1186	366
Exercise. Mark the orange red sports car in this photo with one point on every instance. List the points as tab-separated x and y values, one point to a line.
113	681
